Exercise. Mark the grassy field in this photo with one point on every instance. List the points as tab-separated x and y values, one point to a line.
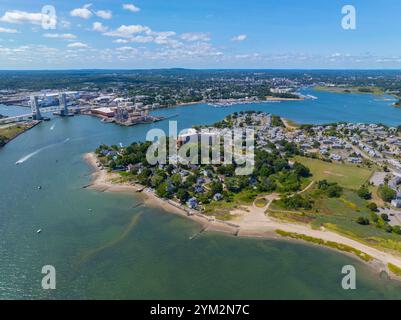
347	175
9	132
394	269
221	209
340	215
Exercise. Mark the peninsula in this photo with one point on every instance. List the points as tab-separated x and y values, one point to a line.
311	183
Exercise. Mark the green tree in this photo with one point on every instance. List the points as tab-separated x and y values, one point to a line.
301	170
386	193
297	202
216	187
182	195
266	185
162	191
388	228
374	217
373	207
397	229
364	193
157	180
190	181
334	191
176	179
384	216
363	221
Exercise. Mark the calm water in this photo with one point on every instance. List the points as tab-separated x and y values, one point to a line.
119	250
328	108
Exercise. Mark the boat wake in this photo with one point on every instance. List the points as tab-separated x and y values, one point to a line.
27	157
52	127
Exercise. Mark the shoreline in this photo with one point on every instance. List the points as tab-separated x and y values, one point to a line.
237	102
271	98
103	181
249	223
27	128
327	89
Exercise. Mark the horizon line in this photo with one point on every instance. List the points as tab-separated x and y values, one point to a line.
206	69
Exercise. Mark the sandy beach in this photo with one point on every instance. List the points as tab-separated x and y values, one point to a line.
250	221
105	181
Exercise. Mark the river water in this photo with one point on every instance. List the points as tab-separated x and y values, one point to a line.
104	246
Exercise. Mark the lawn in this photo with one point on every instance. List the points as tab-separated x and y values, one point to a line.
346	175
10	132
221	209
340	214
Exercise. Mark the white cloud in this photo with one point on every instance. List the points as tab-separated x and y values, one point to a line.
78	45
67	36
130	49
125	31
141	39
166	40
195	36
83	12
190	52
120	41
16	16
104	14
247	56
64	24
163	34
131	7
143	34
5	30
240	37
98	26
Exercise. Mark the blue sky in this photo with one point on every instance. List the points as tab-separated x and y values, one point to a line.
199	34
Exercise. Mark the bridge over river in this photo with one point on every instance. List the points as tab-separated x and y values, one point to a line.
36	111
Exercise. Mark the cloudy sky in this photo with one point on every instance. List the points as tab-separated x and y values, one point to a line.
198	34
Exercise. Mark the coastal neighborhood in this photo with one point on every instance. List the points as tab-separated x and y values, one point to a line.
201	157
296	174
342	143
